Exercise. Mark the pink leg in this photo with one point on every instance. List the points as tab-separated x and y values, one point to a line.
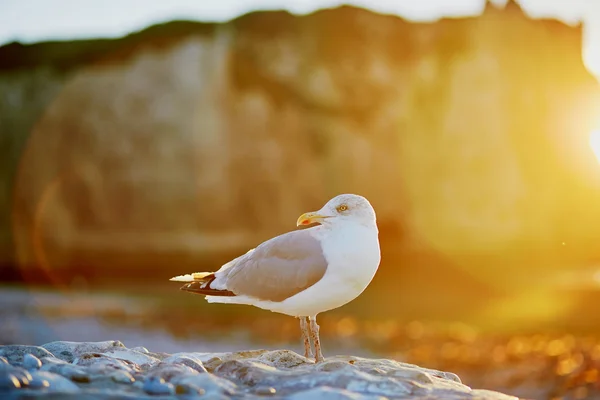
305	337
314	328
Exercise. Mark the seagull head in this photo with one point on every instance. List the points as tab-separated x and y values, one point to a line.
344	207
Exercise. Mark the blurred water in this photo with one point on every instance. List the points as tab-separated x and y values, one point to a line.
38	316
26	319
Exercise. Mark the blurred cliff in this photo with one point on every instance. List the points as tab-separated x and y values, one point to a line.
184	144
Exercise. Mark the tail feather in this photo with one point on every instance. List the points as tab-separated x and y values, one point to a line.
196	276
199	283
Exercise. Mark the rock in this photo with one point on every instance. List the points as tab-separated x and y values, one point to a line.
101	363
265	391
69	371
14	353
282	359
39	380
22	375
143	360
170	371
31	362
108	371
49	361
188	390
68	351
210	383
53	382
190	360
122	377
8	381
157	385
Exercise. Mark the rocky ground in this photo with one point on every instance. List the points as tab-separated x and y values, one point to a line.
536	365
103	370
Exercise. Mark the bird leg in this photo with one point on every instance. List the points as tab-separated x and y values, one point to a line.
305	337
314	330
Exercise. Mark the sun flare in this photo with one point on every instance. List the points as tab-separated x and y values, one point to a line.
595	143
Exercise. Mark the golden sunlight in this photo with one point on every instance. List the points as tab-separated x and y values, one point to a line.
595	143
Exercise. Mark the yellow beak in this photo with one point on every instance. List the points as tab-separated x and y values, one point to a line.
310	218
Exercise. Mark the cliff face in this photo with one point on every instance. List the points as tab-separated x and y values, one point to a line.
469	136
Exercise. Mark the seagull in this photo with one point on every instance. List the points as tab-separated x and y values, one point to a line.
304	272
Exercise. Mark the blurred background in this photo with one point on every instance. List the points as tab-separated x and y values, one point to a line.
142	140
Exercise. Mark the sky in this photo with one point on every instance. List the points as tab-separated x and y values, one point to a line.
36	20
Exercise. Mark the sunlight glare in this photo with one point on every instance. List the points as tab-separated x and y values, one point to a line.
595	143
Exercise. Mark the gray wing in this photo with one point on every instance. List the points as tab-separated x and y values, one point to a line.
278	268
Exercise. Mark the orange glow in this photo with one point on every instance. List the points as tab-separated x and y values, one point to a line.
595	143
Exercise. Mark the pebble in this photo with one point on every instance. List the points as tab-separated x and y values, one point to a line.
210	383
157	385
31	362
38	381
188	390
265	391
122	377
56	383
22	375
48	362
99	363
8	382
170	371
188	360
69	371
14	354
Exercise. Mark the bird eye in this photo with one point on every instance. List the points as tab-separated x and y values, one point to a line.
341	208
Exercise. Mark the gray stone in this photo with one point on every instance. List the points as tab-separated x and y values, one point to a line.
170	371
38	380
31	362
69	371
210	383
265	391
157	385
122	377
101	363
190	360
188	390
22	375
56	383
68	351
8	382
14	353
143	360
282	359
47	361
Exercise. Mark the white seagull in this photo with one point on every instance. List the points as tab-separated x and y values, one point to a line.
304	272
